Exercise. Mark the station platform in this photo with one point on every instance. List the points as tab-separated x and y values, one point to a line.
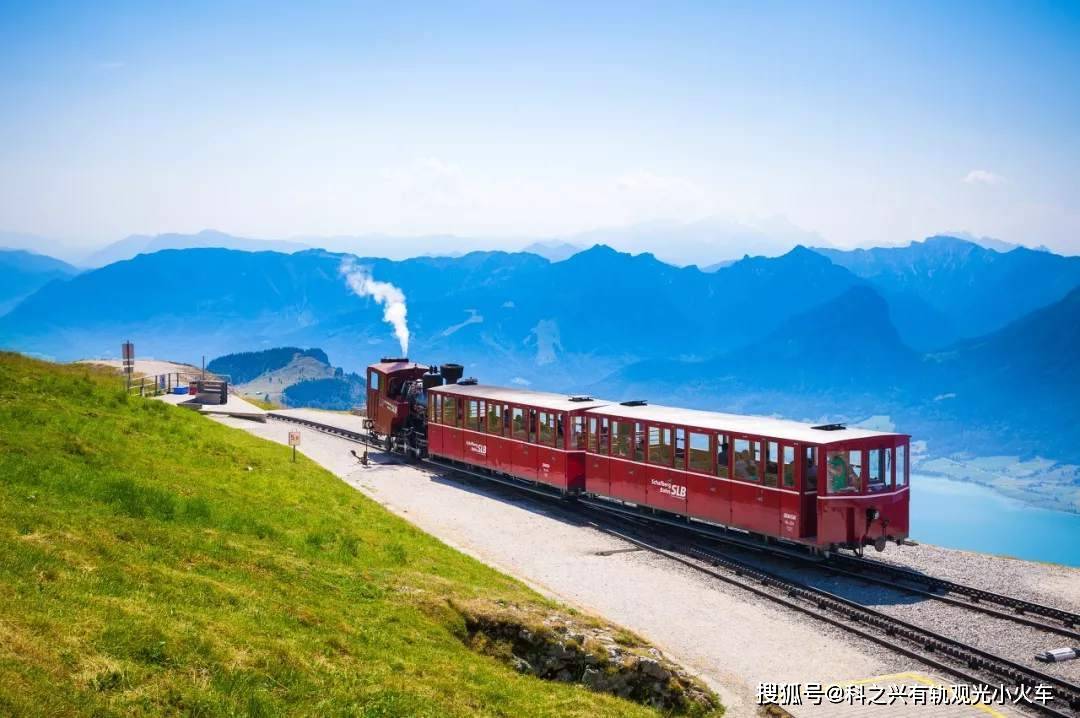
900	695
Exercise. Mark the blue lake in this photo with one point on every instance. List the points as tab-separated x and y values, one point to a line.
968	516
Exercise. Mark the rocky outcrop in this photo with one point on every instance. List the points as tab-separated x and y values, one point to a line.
573	649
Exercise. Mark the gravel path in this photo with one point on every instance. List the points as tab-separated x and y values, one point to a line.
732	640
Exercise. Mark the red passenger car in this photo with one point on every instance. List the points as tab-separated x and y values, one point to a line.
531	436
826	486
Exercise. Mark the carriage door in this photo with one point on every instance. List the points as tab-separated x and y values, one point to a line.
790	499
808	488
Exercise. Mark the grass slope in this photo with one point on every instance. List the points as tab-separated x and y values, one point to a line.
153	562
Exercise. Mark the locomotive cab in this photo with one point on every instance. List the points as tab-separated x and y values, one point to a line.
388	403
396	411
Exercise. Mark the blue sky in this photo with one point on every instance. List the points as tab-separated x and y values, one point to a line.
863	123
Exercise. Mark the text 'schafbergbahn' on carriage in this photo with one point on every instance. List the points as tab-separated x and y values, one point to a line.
822	486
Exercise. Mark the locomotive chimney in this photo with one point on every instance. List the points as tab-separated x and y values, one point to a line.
451	372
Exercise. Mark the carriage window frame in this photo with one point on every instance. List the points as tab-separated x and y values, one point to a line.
592	440
811	468
639	440
658	446
723	447
876	469
622	439
603	439
787	466
772	458
449	407
518	427
494	418
695	454
579	432
752	450
836	484
903	464
545	428
473	409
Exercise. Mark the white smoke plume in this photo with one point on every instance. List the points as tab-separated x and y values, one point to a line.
390	297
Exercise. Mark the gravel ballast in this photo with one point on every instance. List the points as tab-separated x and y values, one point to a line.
733	640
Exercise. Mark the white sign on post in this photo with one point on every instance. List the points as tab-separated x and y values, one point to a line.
294	441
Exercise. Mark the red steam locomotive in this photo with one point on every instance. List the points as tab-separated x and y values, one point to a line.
825	487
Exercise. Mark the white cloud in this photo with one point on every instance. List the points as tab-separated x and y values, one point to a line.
983	177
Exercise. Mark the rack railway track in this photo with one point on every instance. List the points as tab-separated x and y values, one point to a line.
938	651
968	663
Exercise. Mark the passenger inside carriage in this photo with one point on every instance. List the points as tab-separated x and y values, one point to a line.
843	476
811	471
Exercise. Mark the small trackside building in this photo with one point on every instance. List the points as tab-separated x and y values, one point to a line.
826	486
531	436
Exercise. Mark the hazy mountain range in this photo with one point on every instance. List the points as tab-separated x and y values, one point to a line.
25	272
969	347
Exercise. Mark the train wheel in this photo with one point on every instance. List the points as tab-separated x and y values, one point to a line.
389	443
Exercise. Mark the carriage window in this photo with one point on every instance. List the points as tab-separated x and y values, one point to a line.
902	465
449	409
373	380
622	434
876	478
700	453
431	408
560	430
810	469
772	462
547	428
592	435
472	415
843	477
577	432
855	466
517	421
660	446
494	418
723	455
532	426
747	460
459	418
639	441
680	448
605	438
890	462
789	467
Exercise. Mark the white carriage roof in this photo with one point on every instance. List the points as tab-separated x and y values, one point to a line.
525	397
738	424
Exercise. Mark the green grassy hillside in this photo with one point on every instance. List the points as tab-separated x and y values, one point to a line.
154	562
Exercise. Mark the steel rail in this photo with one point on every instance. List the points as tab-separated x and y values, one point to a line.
786	591
979	598
1020	606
